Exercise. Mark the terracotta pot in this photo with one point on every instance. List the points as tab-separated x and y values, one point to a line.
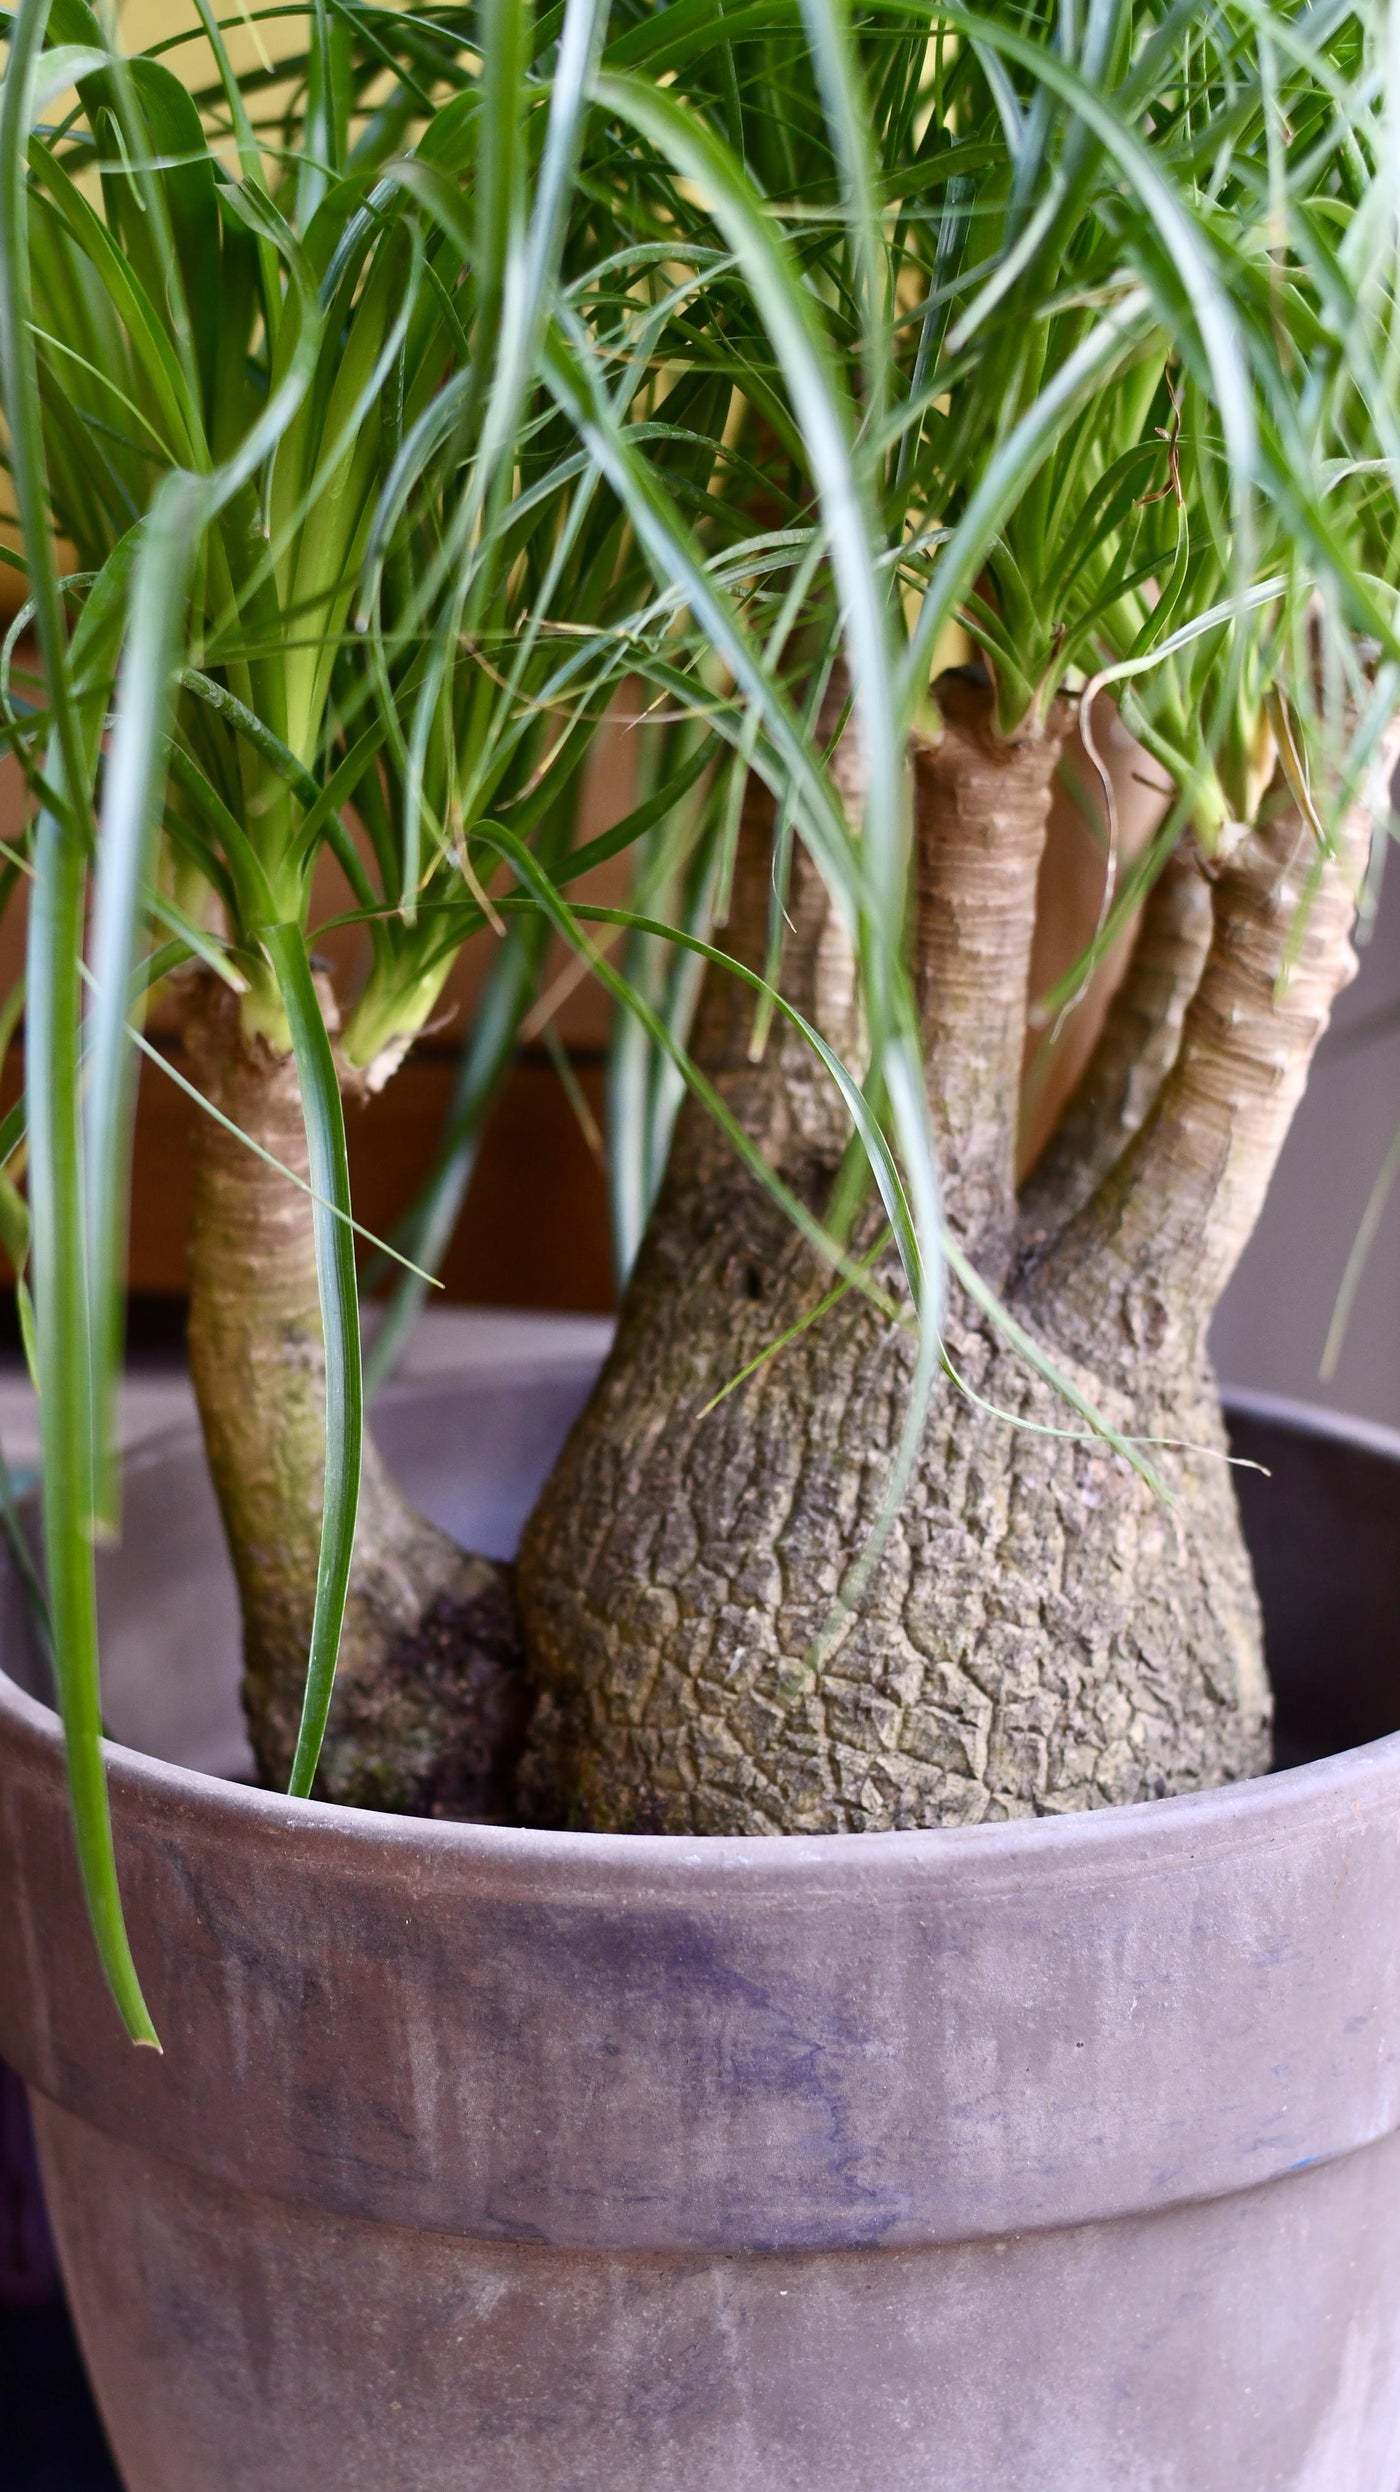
1053	2157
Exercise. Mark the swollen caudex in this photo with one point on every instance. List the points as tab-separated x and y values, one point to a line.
1041	1631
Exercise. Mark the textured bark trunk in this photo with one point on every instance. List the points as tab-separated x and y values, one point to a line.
1041	1633
430	1701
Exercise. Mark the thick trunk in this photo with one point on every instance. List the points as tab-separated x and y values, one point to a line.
430	1703
1041	1633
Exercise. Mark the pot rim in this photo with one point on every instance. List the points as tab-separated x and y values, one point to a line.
1249	1810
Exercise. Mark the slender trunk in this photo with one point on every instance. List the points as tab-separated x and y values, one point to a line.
430	1703
981	807
1040	1633
1107	806
1135	1050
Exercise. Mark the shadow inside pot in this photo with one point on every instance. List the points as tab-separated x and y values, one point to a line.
1323	1529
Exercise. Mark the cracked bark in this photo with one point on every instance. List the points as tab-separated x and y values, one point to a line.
430	1700
1040	1633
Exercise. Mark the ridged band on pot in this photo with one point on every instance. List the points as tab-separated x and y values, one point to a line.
640	2043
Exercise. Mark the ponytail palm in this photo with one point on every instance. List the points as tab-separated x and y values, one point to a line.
770	360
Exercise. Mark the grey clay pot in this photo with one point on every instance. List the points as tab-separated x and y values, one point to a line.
1055	2157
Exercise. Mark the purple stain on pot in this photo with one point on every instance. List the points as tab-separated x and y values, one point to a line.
782	2045
1059	2157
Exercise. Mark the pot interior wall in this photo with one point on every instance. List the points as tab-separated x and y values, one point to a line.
1323	1529
1322	1517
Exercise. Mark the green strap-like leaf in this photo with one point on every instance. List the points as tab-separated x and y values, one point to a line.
340	1324
127	832
63	1354
789	315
